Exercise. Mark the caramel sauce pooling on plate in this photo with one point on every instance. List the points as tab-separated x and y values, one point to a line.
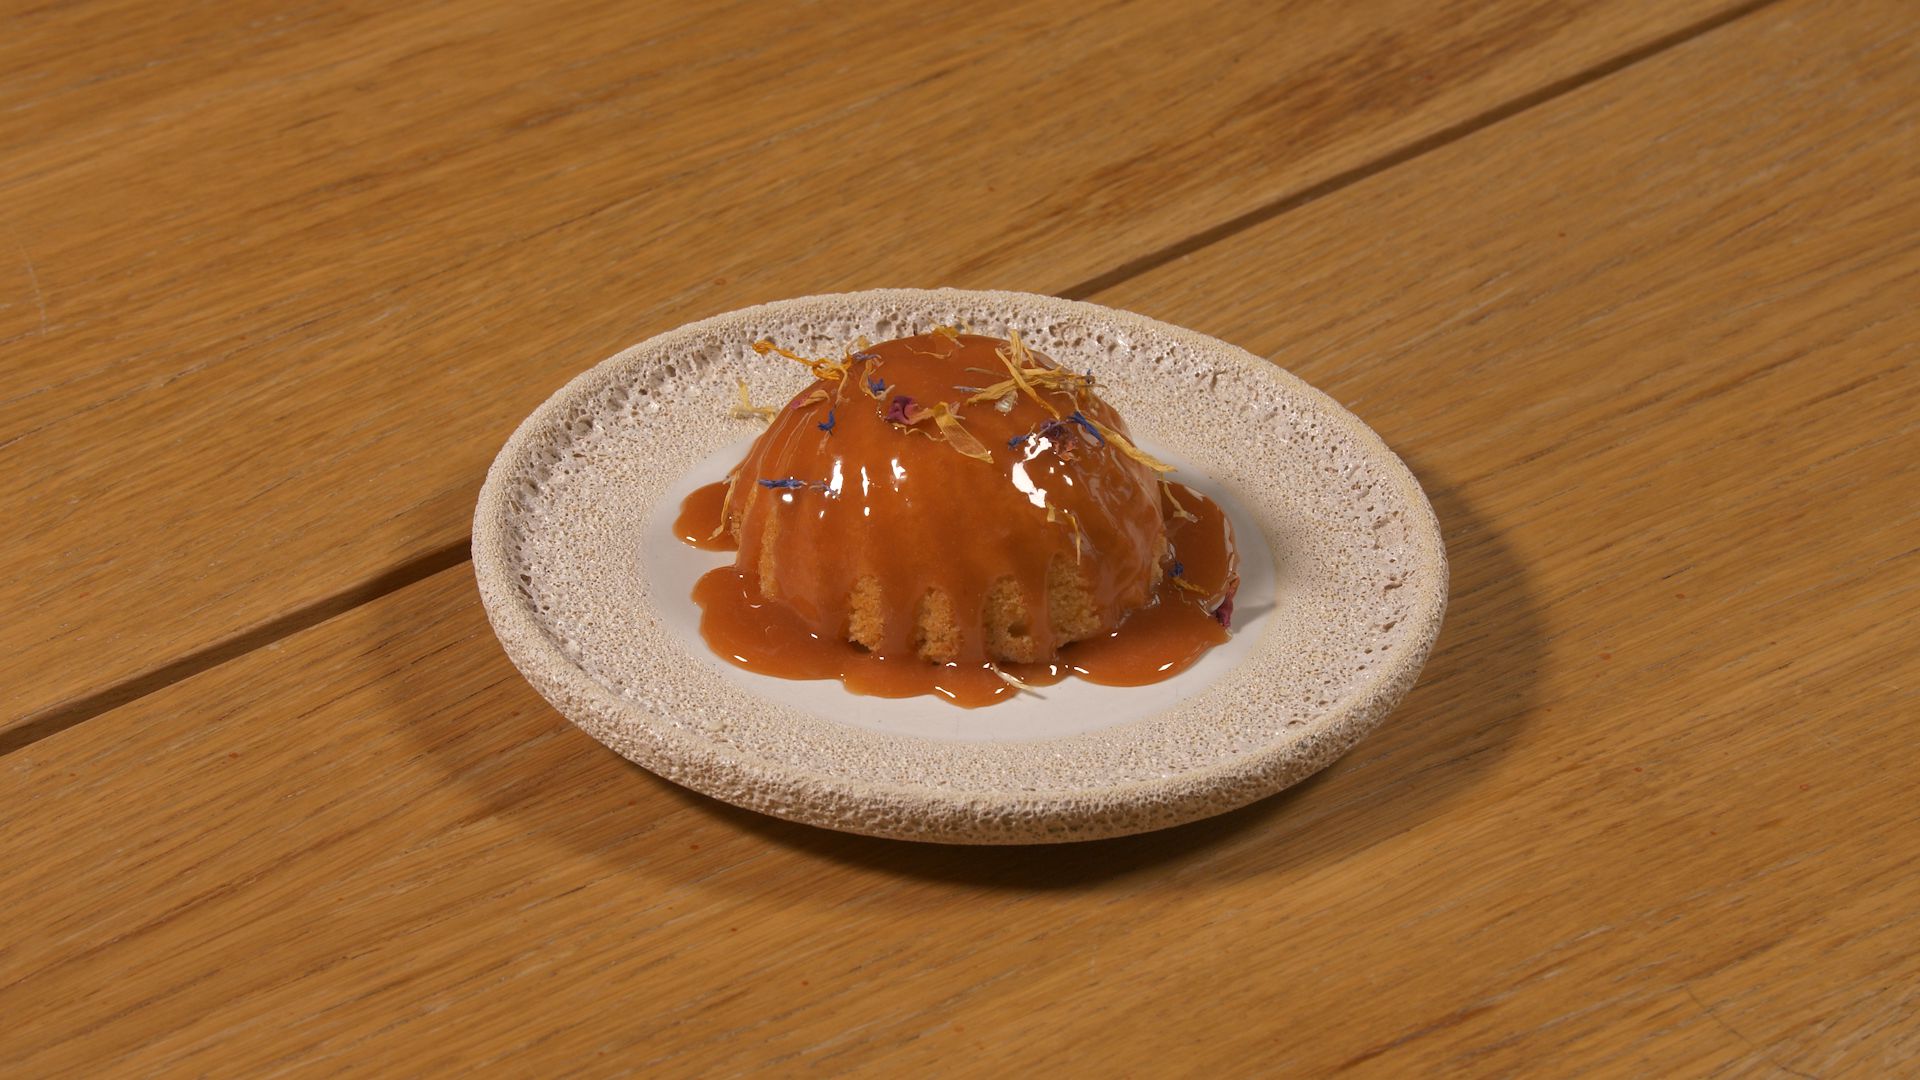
859	513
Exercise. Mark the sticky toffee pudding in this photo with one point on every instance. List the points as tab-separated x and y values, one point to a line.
956	514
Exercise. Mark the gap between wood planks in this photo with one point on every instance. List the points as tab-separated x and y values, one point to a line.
61	717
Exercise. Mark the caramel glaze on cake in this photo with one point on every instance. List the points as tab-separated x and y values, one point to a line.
949	513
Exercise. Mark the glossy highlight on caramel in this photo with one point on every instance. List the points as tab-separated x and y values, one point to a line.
973	517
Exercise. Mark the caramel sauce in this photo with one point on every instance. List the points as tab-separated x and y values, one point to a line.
702	520
1164	638
762	635
857	493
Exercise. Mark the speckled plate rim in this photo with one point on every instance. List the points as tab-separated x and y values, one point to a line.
1092	809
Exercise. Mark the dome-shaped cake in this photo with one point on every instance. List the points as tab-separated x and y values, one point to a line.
949	496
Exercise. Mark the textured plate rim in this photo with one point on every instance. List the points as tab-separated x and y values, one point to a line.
928	813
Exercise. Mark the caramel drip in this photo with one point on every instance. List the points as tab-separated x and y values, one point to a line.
764	636
702	522
1164	638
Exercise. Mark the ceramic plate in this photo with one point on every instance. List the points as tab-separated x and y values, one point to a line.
1344	585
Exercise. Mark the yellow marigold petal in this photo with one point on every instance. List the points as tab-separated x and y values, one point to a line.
956	433
746	409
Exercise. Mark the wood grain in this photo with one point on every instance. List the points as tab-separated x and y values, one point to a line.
1651	349
279	279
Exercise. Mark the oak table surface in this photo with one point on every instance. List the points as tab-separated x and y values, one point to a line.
1636	303
321	260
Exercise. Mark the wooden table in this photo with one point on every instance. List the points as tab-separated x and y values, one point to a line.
1631	284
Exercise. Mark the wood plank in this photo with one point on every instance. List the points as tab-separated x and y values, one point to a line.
278	280
1646	814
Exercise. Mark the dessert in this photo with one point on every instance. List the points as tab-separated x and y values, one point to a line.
957	514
